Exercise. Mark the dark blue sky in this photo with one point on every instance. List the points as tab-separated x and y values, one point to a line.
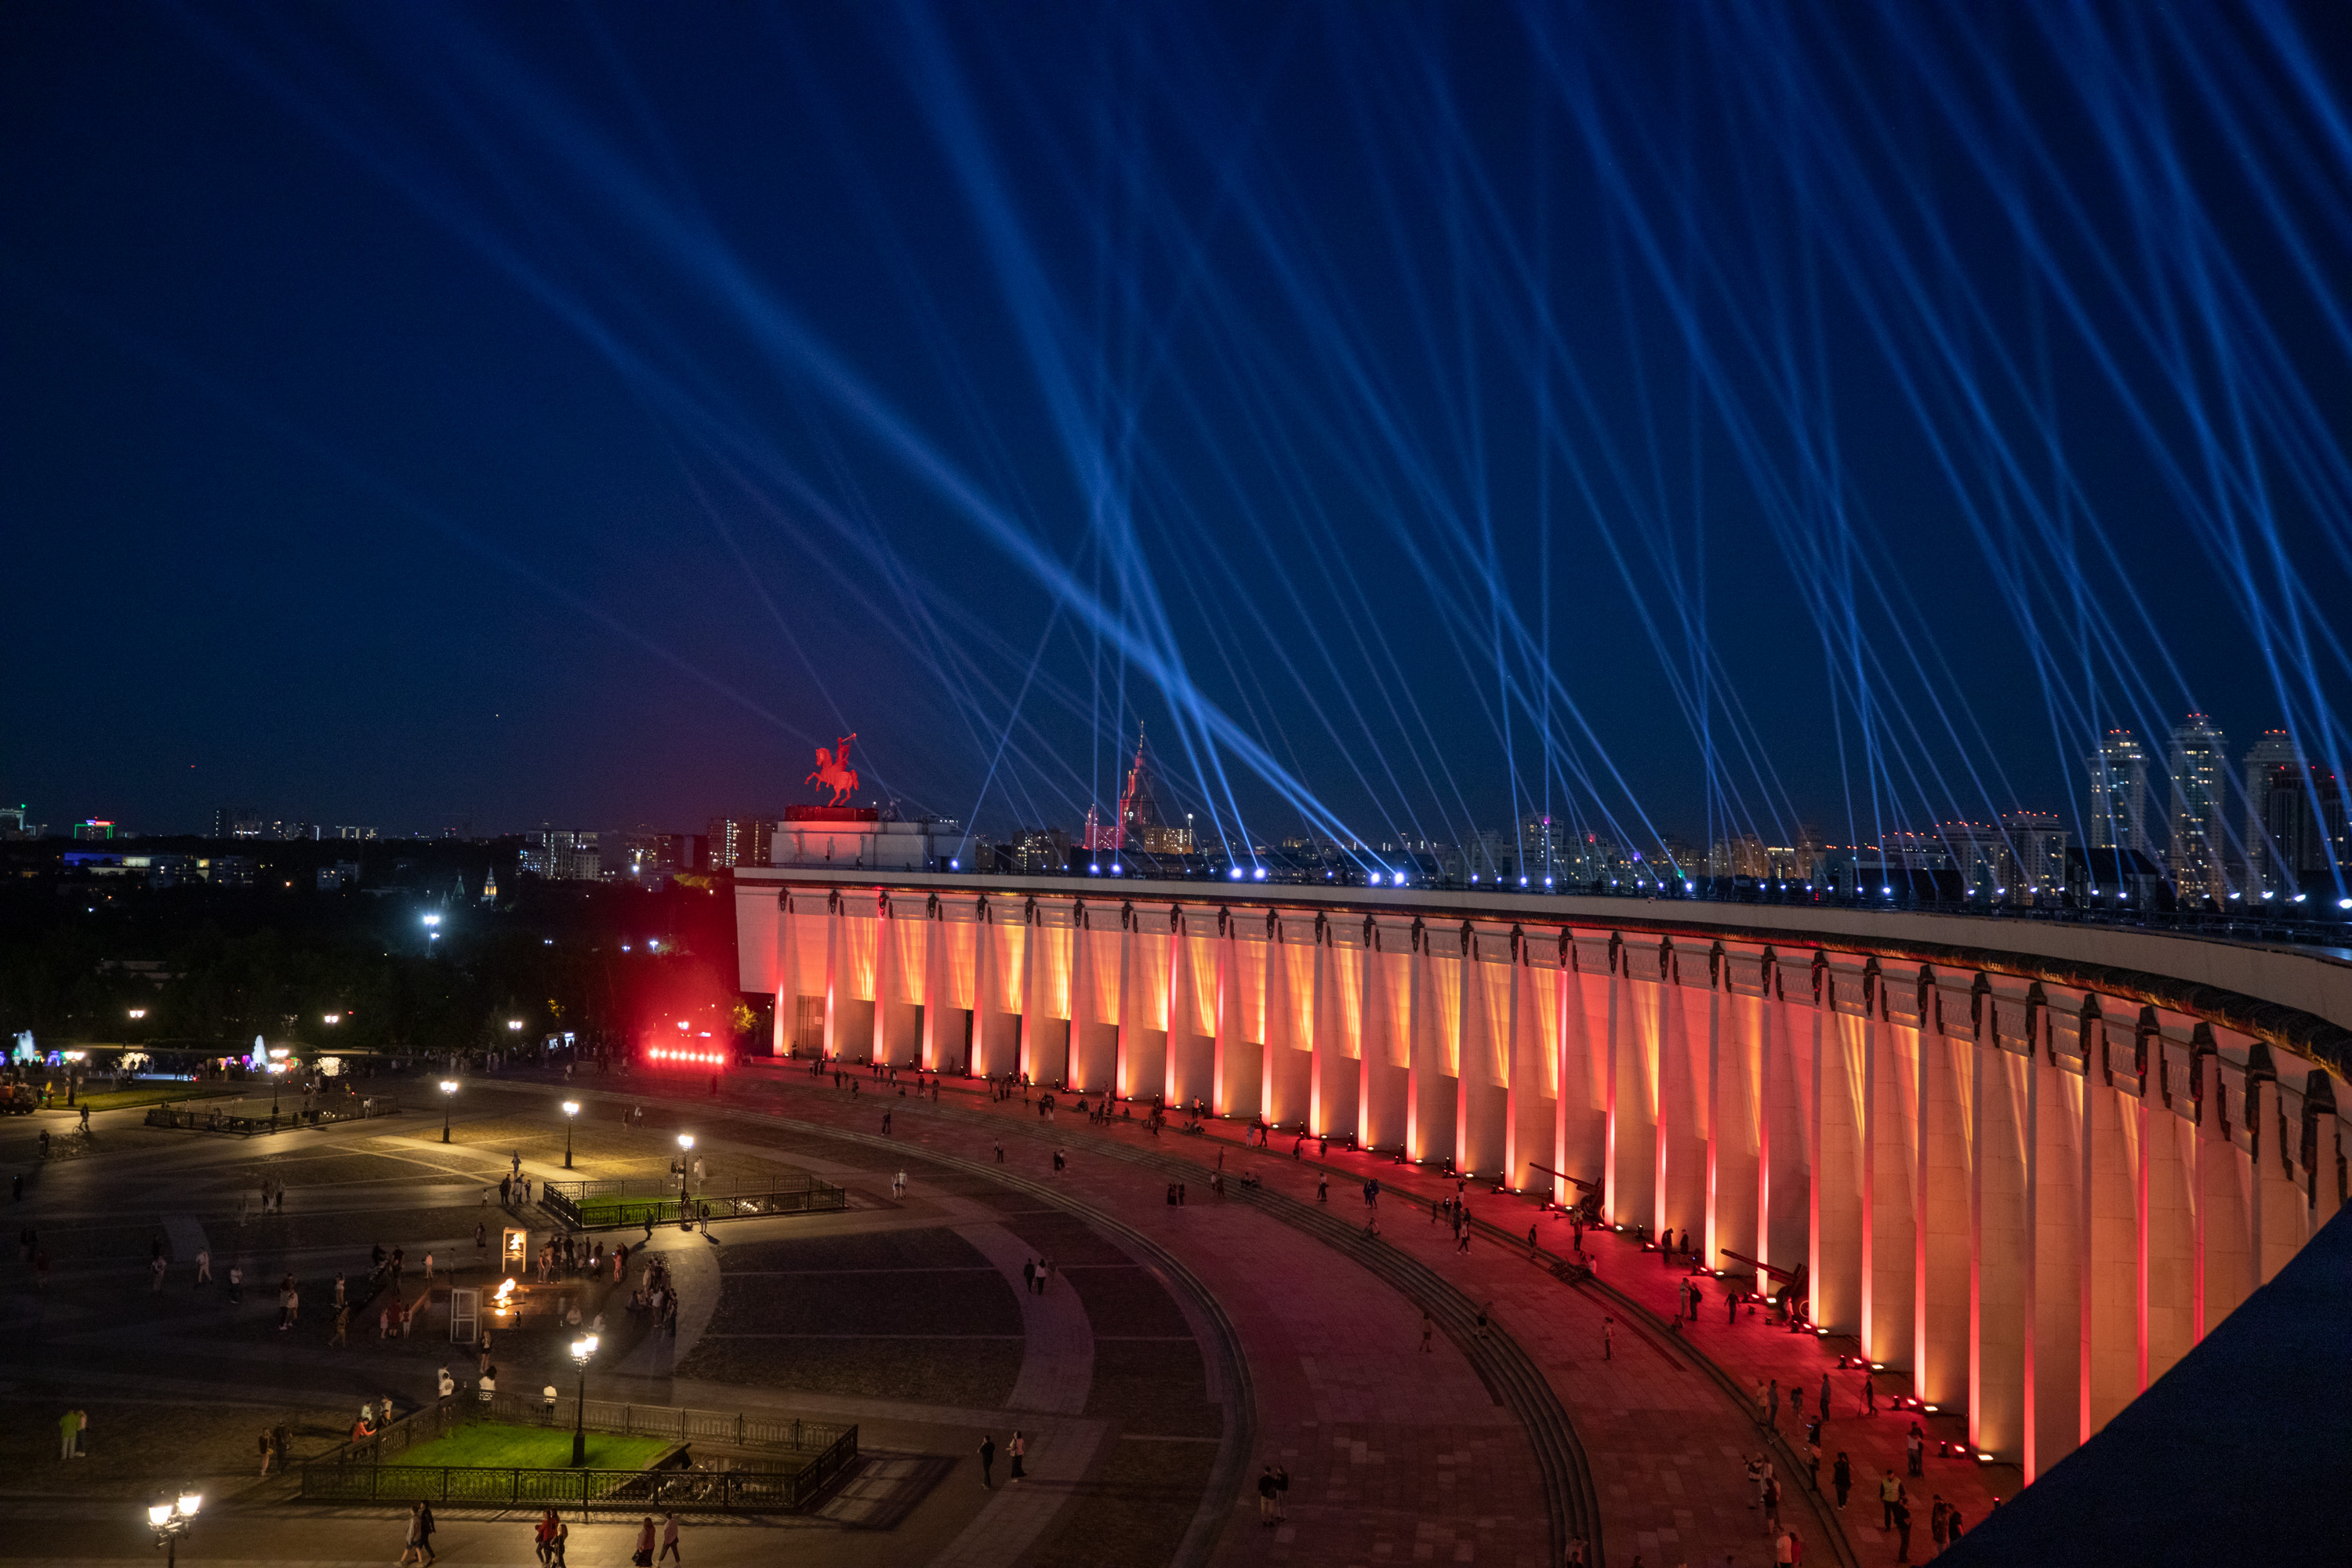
1414	414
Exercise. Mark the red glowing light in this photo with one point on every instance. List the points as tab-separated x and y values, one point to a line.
704	1058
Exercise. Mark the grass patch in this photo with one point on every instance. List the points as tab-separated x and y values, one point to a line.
493	1445
150	1094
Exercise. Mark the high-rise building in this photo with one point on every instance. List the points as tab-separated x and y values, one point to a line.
2305	822
98	828
2200	837
2118	816
2264	873
2036	843
561	855
741	840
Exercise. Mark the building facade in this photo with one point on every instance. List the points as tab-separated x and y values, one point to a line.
2032	1178
2118	802
2199	766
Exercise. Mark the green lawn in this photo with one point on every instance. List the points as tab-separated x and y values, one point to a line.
147	1094
492	1444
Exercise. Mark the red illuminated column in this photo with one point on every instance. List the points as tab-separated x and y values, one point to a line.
1123	1065
1183	1010
1942	1245
1372	1044
2113	1228
1712	1095
885	977
935	988
1416	1070
788	976
1892	1216
1469	1041
1321	1039
1837	1175
2168	1181
983	990
1274	1027
1573	1066
1226	1003
833	917
1613	1206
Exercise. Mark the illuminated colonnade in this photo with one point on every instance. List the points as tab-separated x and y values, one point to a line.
2034	1197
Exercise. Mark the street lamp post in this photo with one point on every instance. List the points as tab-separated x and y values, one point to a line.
571	1111
172	1519
685	1149
582	1350
449	1090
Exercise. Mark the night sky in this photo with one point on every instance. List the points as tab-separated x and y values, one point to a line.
1669	417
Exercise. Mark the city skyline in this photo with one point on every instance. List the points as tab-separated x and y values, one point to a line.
440	517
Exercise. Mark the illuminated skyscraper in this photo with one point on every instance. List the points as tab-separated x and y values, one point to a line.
2265	871
2199	767
2118	816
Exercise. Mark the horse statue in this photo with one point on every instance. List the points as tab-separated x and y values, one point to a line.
834	771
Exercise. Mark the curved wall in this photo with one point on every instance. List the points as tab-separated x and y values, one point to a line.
2030	1165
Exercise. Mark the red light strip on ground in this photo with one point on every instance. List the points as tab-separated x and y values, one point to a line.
708	1059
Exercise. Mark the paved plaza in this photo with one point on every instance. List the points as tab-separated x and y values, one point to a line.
1172	1354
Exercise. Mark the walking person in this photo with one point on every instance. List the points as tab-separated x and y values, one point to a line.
1915	1451
1890	1494
1281	1493
643	1557
1608	1338
413	1547
1428	1327
1772	1420
203	1266
1265	1497
1902	1533
156	1266
1017	1451
669	1552
987	1461
1841	1477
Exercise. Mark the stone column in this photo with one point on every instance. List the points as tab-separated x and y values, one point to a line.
1893	1214
1372	1042
1944	1234
935	985
1837	1198
1123	1061
2173	1268
1999	1250
1275	1019
2055	1330
1322	1040
833	917
1225	1044
885	968
1417	1031
787	976
1469	1038
2224	1244
1611	1189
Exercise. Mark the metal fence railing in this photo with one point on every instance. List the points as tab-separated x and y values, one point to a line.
236	1119
626	1205
781	1464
